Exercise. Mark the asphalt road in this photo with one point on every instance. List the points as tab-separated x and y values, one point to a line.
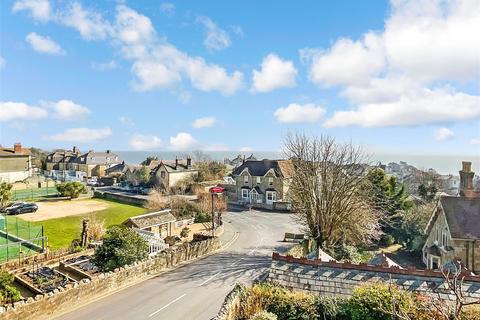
196	290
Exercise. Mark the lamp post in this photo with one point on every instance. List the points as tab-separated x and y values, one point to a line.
213	191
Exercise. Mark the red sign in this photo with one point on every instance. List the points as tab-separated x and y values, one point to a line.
217	189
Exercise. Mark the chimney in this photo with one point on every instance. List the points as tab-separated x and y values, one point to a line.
466	180
189	162
75	150
17	147
243	160
108	151
176	162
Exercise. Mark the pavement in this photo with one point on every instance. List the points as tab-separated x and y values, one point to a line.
197	290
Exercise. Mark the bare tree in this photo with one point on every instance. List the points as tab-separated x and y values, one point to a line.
328	190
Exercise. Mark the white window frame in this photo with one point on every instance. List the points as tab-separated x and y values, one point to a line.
272	194
259	180
245	179
244	193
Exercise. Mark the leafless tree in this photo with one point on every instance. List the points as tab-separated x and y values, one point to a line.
329	190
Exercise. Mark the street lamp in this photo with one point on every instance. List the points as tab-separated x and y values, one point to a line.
213	191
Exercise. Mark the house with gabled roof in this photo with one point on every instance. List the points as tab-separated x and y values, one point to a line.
262	183
453	232
168	174
15	163
158	223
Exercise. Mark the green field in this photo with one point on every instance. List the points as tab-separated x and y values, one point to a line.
62	231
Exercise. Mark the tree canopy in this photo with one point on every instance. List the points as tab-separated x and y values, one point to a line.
5	193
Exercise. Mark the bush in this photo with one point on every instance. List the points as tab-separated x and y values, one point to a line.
375	301
121	246
184	233
264	315
8	293
202	217
170	240
71	189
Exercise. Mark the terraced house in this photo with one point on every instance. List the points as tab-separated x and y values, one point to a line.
15	163
73	165
453	232
263	183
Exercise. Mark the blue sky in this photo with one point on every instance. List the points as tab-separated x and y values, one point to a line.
397	77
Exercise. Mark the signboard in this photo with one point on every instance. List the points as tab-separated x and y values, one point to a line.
217	189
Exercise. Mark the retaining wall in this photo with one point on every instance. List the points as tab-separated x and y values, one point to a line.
46	306
339	279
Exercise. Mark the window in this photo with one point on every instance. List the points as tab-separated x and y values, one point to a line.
162	174
270	181
108	159
271	196
244	193
444	239
259	180
245	179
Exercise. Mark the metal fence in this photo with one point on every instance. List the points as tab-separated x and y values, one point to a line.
34	193
19	238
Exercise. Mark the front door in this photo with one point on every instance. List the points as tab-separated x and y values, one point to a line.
271	197
253	197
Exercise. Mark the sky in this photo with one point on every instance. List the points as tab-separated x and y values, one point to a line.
400	76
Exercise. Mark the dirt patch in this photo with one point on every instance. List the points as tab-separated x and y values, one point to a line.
60	209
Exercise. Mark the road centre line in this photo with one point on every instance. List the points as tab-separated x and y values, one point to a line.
165	306
216	274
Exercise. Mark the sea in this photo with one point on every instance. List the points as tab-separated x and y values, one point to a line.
443	164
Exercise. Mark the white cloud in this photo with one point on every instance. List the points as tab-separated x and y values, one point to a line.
126	121
406	74
237	30
275	73
205	122
347	62
167	8
88	23
82	135
442	134
105	66
3	63
160	65
215	37
475	141
246	149
145	142
183	141
68	110
20	111
44	44
412	108
39	9
297	113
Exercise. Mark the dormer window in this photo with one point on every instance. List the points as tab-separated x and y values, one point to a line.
270	181
245	179
259	180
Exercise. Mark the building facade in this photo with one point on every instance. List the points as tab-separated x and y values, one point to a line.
453	232
15	163
168	174
262	183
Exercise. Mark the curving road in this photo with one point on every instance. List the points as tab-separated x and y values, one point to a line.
196	290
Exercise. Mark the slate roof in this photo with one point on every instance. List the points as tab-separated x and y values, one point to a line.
380	259
171	167
151	219
463	216
281	168
94	157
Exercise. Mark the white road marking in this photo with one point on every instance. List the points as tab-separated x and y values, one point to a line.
165	306
216	274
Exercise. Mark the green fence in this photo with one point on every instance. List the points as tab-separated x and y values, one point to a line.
19	238
34	193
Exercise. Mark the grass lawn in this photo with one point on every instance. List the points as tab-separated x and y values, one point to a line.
61	231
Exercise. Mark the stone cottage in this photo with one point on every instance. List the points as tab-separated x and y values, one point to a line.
263	183
453	231
169	173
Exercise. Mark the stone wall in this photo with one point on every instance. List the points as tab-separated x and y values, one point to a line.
46	306
339	279
120	197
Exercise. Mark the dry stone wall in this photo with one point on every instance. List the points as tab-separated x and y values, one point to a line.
339	279
48	305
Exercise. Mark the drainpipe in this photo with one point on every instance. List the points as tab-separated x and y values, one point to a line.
473	256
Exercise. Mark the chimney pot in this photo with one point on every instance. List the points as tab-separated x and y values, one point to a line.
17	147
176	162
466	166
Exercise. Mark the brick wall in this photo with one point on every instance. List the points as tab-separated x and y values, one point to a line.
333	278
46	306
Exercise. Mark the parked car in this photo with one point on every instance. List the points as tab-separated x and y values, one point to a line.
24	208
12	206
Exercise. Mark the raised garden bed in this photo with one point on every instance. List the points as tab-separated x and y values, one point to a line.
81	266
44	280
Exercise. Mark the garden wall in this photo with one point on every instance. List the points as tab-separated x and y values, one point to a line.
120	197
48	305
334	278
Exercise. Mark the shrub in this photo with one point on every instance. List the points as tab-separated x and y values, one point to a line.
264	315
8	293
184	233
96	228
71	189
375	302
202	217
121	246
389	240
170	240
5	193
